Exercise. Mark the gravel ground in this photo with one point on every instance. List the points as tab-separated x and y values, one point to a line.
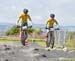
33	52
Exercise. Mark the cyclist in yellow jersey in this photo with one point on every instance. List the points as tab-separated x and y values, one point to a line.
50	23
24	19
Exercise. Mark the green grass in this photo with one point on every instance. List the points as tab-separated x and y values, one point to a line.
70	59
70	44
40	42
7	40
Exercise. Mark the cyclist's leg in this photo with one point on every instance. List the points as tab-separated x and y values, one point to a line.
48	41
47	38
52	39
20	31
22	24
26	38
22	37
26	34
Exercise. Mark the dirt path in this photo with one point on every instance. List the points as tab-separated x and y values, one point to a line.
17	52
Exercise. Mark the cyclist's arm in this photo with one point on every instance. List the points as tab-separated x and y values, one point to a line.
20	16
56	22
17	21
57	25
30	19
47	23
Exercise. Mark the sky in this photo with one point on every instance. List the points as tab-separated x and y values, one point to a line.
39	10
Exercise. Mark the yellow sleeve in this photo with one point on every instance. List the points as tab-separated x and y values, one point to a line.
20	15
48	20
56	22
47	24
29	17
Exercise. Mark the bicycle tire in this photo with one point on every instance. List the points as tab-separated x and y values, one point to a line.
50	39
24	37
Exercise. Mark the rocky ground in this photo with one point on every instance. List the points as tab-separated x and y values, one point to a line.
33	52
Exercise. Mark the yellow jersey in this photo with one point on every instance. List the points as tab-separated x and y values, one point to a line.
51	22
24	17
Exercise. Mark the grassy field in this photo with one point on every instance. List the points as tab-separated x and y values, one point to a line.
69	44
4	39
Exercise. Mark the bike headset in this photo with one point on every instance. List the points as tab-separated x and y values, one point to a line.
25	11
52	15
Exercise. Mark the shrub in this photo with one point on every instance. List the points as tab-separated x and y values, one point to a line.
12	31
38	31
30	30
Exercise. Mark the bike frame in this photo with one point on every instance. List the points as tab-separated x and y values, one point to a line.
50	38
23	34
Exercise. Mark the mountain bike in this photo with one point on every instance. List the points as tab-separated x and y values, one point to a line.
23	35
50	37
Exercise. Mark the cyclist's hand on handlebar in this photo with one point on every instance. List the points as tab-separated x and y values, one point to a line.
57	29
46	28
30	26
17	25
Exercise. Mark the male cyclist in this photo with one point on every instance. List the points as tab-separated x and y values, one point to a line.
50	23
24	19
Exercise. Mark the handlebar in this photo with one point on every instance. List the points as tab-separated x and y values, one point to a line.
52	29
55	27
24	27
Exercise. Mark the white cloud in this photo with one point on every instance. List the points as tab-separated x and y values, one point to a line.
39	10
37	17
13	7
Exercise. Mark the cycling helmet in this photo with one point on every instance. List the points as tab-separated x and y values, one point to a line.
52	15
25	11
